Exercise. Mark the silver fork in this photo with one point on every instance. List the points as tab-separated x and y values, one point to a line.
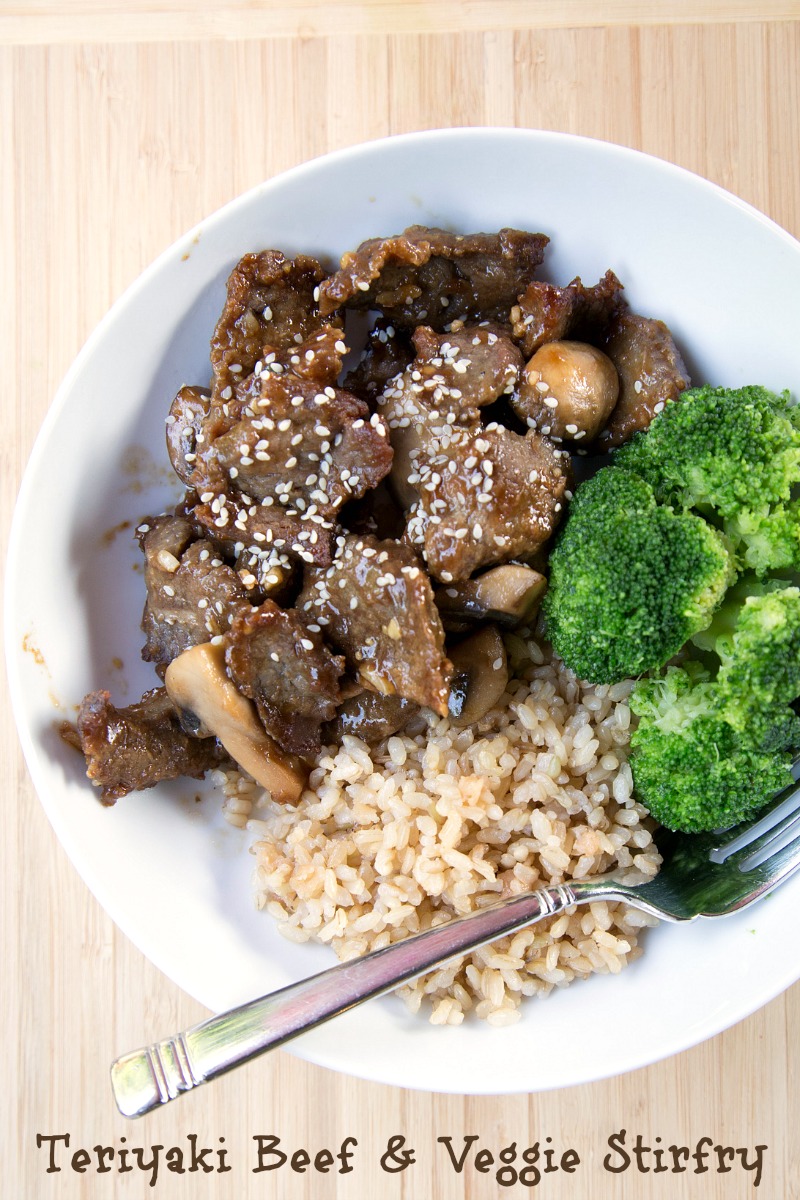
703	875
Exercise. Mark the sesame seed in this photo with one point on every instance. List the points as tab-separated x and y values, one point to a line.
167	561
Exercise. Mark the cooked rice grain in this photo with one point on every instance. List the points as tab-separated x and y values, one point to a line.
438	821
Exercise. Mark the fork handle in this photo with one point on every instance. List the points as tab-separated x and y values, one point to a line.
147	1078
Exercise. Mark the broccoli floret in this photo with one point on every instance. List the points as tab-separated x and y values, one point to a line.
733	456
702	774
715	739
630	579
761	660
766	538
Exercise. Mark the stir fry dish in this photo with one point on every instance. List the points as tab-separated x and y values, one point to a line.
424	665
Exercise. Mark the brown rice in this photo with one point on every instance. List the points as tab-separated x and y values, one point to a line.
437	821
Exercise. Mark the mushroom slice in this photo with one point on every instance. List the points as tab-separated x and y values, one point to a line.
198	685
480	676
508	595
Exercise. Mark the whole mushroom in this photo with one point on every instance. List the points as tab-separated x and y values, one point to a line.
567	391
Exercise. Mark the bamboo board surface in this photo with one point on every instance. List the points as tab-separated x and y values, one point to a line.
124	125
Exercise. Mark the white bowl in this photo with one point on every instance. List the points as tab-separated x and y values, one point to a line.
169	871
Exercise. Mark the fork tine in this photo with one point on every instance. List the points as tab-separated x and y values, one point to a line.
784	807
780	866
785	831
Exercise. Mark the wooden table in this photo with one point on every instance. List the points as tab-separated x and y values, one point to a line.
124	123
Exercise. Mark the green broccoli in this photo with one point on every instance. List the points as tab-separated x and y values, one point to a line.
631	580
734	457
715	739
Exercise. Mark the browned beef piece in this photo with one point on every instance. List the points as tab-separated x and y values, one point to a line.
486	496
270	306
197	419
651	373
192	594
129	749
433	277
304	448
370	717
546	313
274	465
451	377
388	352
375	605
464	370
286	668
240	525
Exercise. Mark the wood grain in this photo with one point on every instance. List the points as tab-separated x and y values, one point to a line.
79	21
124	128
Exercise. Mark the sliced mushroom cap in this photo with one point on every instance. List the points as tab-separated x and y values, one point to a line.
508	595
198	685
480	678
